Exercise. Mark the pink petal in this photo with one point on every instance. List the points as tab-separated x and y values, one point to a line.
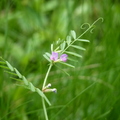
54	56
63	57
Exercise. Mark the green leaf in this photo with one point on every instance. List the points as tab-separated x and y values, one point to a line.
16	79
25	80
41	94
68	40
57	48
82	40
62	45
72	59
72	53
4	67
46	57
1	62
47	100
48	54
11	73
32	88
18	73
52	47
73	34
58	41
69	65
77	47
9	65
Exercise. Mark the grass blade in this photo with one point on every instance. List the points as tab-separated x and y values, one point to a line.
73	100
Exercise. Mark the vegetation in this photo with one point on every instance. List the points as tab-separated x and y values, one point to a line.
28	28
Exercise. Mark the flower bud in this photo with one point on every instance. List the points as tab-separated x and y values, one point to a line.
48	86
50	90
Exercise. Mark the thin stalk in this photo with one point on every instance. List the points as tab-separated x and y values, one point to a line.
44	109
45	80
44	84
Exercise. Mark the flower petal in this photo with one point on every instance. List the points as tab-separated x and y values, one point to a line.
54	56
63	57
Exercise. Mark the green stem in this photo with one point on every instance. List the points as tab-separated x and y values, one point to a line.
44	108
44	84
45	80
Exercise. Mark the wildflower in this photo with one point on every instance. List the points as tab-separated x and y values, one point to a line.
63	57
55	57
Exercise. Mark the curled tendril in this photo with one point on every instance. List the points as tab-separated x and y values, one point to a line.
91	31
91	27
98	20
85	26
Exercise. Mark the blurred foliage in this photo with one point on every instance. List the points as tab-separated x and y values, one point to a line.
27	28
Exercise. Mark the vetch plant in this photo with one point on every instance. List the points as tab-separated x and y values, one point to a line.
59	54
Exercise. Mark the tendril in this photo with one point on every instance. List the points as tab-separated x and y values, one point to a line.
91	31
97	21
85	26
91	27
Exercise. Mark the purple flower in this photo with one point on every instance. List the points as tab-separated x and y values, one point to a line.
54	56
63	57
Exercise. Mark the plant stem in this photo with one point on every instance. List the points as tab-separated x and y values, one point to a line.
44	108
45	80
44	84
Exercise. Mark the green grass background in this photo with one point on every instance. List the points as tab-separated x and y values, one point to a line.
28	27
